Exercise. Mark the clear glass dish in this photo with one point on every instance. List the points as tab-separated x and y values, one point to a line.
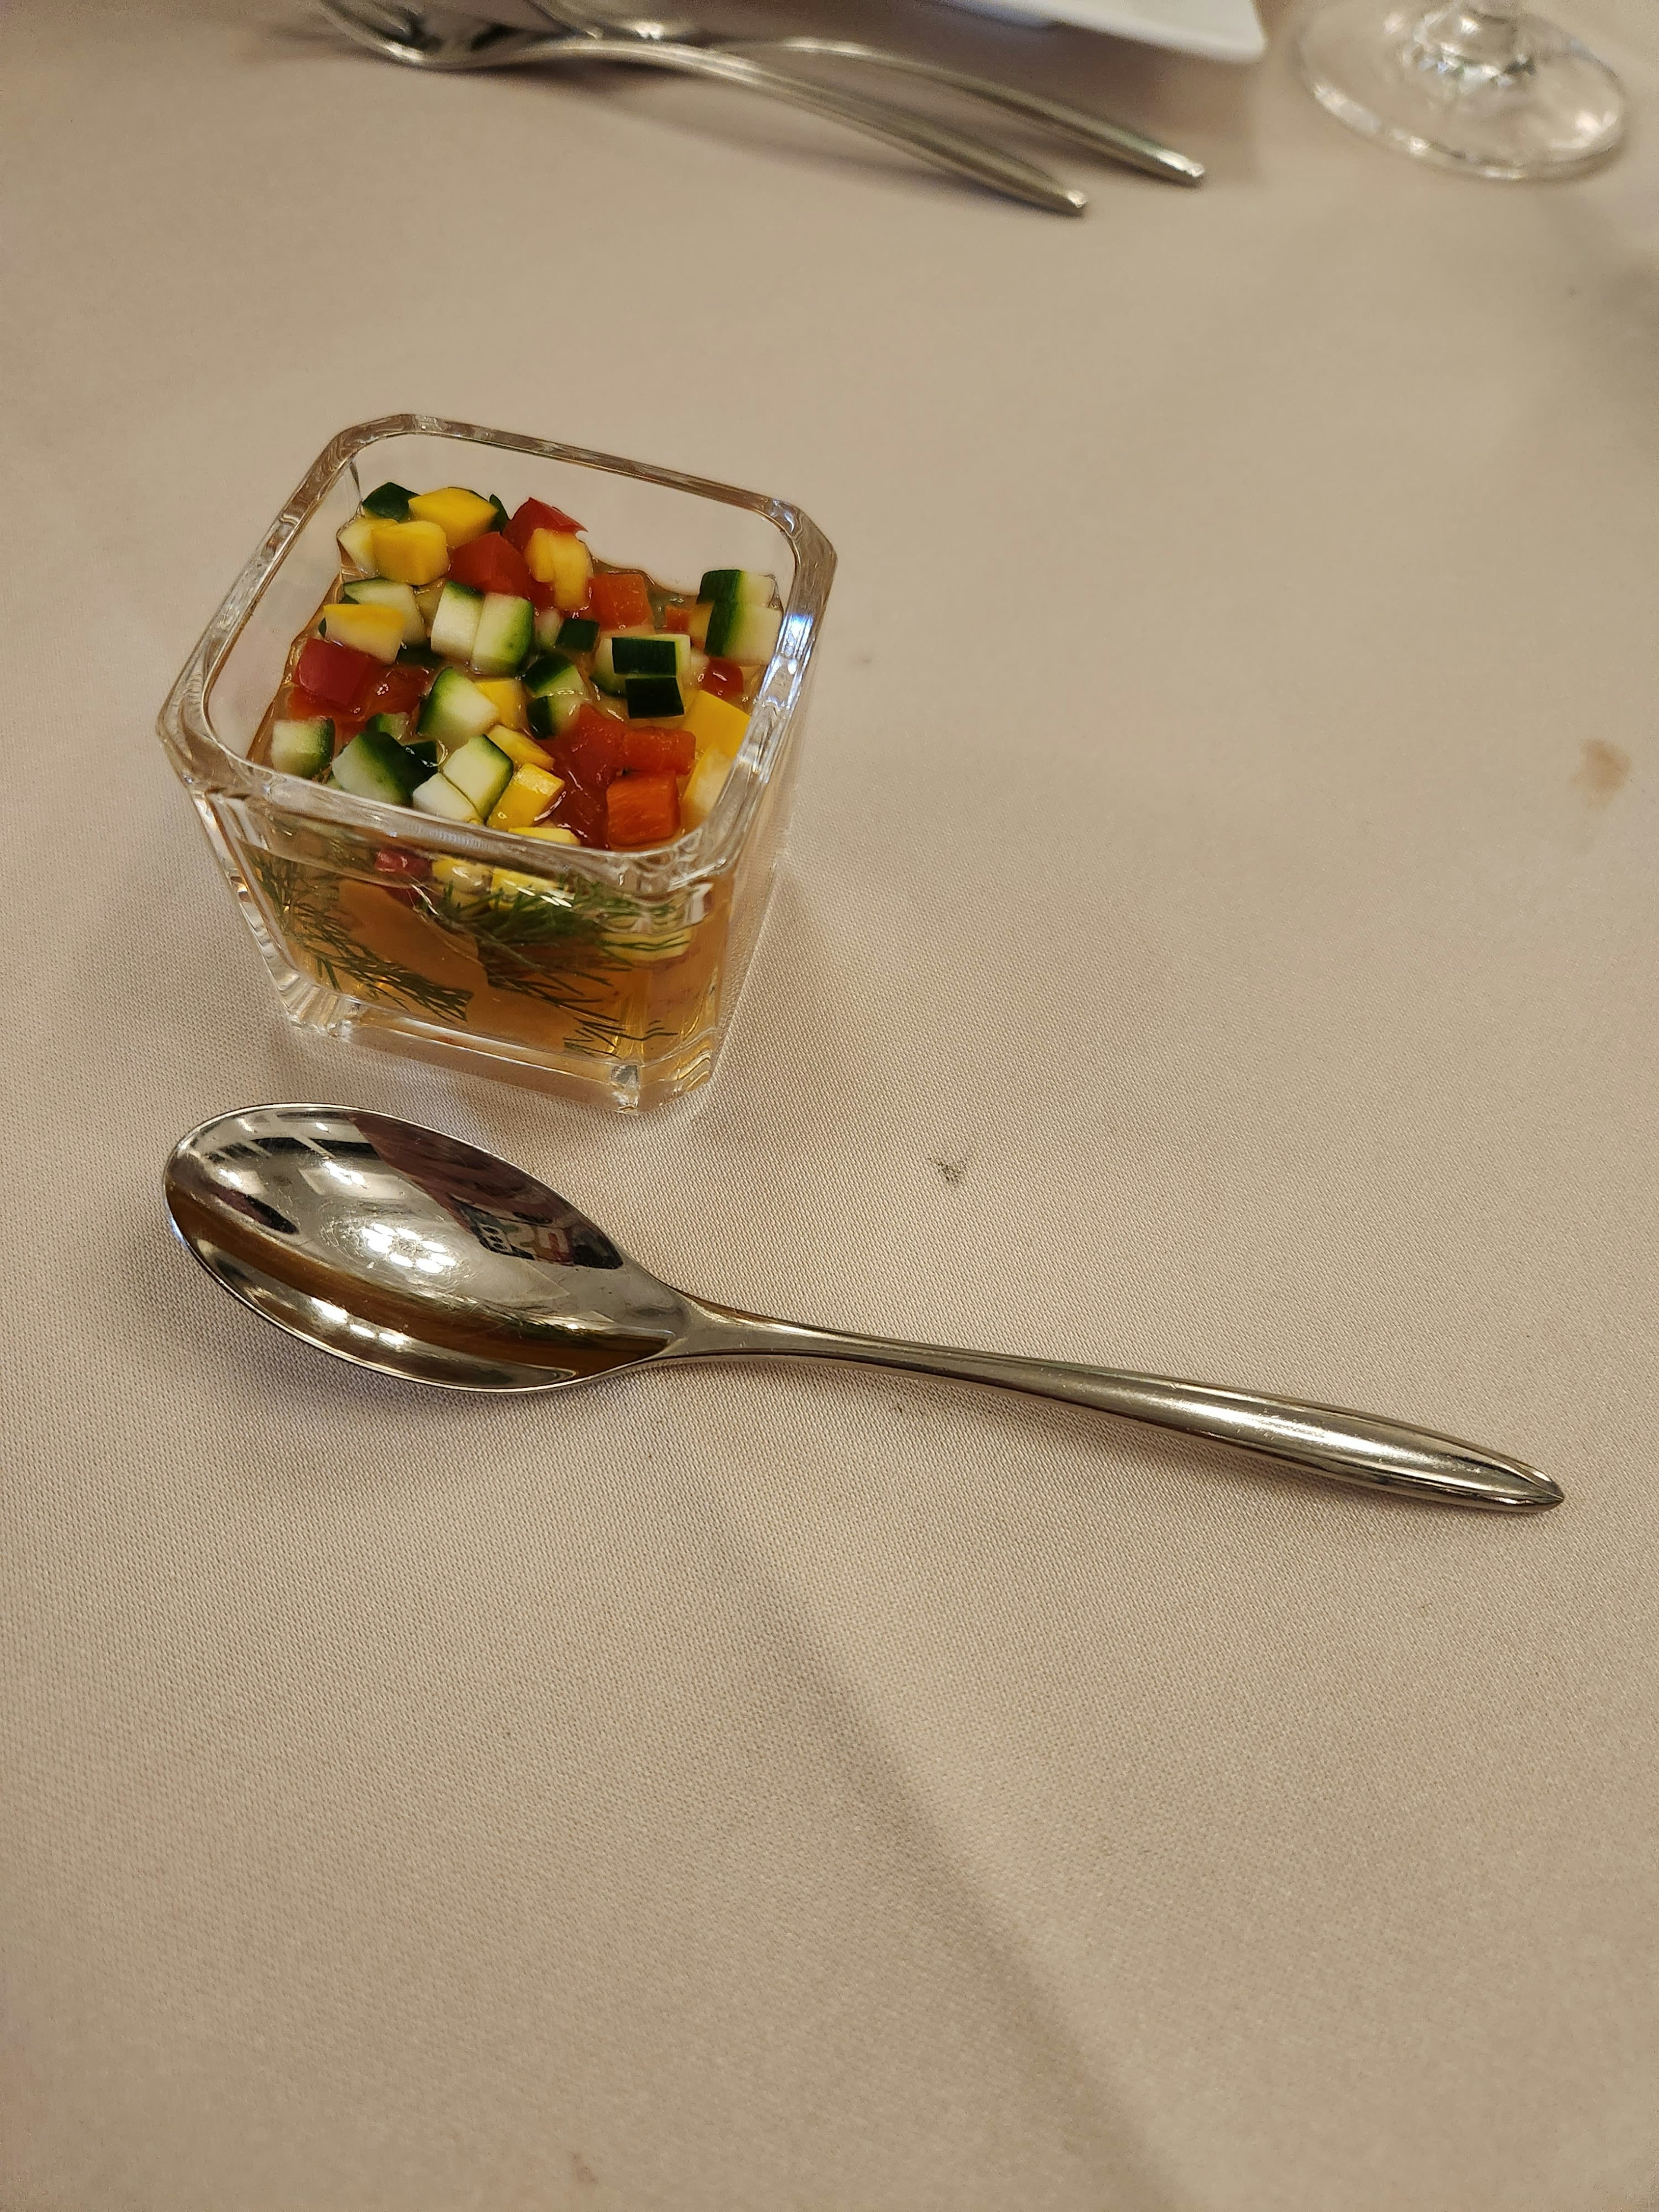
609	975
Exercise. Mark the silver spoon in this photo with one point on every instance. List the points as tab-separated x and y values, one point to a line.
1114	140
419	38
398	1249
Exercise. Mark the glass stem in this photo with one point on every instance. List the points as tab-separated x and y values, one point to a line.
1467	41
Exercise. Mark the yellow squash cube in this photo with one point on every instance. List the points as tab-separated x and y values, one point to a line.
531	793
411	552
555	558
379	630
716	724
552	832
461	515
522	751
513	884
462	879
507	693
703	785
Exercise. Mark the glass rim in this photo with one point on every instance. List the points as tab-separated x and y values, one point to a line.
186	728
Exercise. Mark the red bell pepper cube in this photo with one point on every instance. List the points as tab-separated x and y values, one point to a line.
649	749
723	679
303	707
590	752
490	563
642	809
400	689
580	811
535	514
620	602
335	673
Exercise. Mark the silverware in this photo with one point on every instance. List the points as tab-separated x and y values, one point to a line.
1114	140
398	1249
420	38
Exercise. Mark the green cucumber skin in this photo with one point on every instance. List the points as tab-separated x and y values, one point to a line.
389	725
505	633
302	748
481	770
545	672
388	502
578	634
653	698
420	656
743	629
552	712
647	656
423	750
502	517
744	584
455	709
373	767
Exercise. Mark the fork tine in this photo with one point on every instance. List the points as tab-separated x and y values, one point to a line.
372	23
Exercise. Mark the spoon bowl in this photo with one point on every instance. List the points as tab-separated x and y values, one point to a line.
397	1248
400	1248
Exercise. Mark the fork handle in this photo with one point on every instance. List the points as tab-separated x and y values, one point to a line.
1115	140
932	142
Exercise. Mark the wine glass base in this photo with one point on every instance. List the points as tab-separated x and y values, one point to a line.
1493	96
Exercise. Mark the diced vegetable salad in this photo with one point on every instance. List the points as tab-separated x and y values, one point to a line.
484	667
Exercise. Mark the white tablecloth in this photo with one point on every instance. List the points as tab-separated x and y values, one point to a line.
1217	936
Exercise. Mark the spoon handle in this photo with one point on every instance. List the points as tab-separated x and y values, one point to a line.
1326	1440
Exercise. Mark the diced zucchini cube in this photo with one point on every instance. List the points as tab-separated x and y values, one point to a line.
506	628
455	709
743	629
653	698
374	766
303	748
439	796
480	769
456	622
743	584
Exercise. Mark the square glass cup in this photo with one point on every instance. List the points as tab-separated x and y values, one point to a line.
609	975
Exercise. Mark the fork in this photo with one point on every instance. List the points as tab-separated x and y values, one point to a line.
1101	136
415	39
